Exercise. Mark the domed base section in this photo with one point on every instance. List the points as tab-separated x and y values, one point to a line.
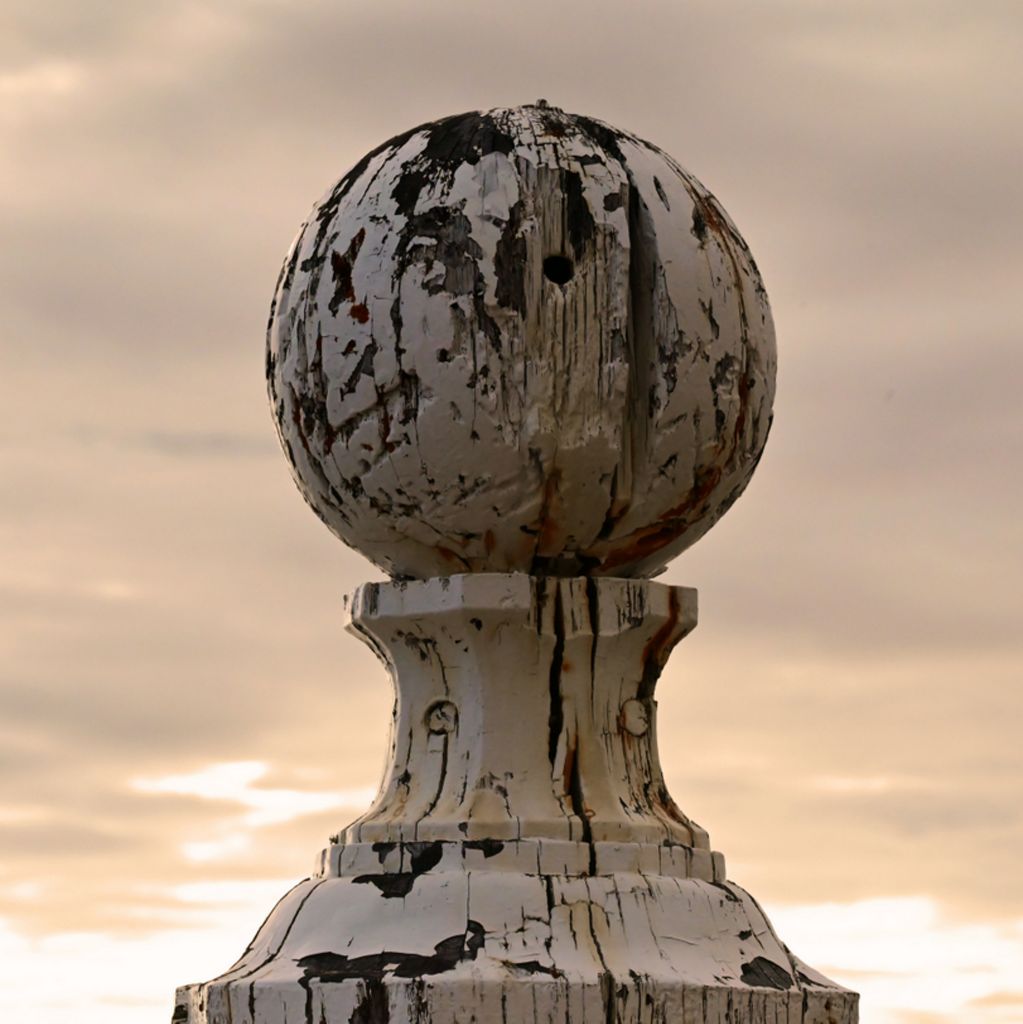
500	947
523	862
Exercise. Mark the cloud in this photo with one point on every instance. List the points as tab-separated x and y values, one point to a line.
909	961
107	979
233	781
1009	1000
844	719
906	957
848	784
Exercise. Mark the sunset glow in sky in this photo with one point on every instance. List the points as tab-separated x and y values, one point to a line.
183	722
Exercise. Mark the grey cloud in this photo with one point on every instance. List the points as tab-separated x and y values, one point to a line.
32	31
218	445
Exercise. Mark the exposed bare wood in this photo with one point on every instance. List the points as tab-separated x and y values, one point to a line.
522	341
523	860
520	359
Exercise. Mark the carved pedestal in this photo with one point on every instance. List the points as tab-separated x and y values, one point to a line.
523	860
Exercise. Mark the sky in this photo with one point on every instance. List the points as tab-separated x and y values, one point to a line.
183	721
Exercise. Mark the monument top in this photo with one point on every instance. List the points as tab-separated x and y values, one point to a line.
523	352
520	341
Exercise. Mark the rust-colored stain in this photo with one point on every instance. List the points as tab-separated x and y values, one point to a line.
547	525
658	647
448	555
489	542
668	526
709	213
359	312
663	799
566	775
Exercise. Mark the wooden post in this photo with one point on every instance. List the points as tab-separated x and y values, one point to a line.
520	359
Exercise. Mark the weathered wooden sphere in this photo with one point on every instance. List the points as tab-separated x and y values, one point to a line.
520	340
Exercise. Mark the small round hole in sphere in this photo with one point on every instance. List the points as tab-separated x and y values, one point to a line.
444	411
558	269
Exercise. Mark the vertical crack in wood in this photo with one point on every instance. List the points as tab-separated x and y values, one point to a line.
441	779
556	720
610	919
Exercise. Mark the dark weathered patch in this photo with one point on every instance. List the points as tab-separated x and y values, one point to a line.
612	202
661	193
532	967
424	856
489	847
341	264
510	262
708	216
406	192
764	973
571	775
607	138
392	886
699	228
451	141
708	312
325	213
555	122
804	980
556	714
578	215
443	234
328	968
373	1007
593	613
729	895
363	368
464	138
398	884
607	994
450	233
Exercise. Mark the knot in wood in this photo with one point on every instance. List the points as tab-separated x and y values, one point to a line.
635	717
442	718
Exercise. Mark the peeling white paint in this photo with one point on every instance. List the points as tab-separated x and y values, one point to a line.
523	860
520	360
447	407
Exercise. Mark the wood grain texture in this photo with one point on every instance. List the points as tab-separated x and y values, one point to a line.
520	359
523	860
450	402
